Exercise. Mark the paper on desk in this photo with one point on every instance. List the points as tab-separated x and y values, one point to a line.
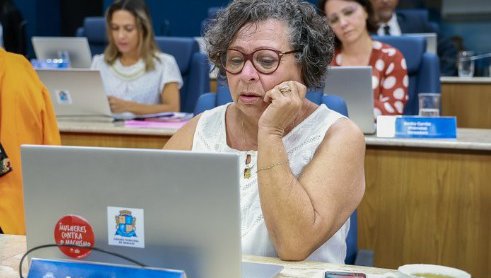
165	117
393	274
154	124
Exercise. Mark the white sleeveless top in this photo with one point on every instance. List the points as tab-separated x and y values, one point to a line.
133	82
301	144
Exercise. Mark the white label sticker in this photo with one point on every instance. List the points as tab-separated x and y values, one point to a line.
63	97
125	227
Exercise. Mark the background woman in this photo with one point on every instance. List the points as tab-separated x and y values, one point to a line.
137	77
351	21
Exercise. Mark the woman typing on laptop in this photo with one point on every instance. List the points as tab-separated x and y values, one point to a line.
351	21
302	172
137	77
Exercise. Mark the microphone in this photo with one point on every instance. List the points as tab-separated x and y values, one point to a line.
476	57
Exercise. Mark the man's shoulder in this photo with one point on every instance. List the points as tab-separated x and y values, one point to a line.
413	22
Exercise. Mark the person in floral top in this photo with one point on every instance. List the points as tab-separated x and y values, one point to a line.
352	21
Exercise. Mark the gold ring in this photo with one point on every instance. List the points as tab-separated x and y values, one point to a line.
284	89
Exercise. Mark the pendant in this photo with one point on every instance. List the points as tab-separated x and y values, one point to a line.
248	166
247	173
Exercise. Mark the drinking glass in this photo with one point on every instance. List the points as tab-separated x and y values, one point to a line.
429	104
465	64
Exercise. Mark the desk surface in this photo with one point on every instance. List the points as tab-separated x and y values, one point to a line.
471	139
428	175
467	139
13	247
111	128
455	79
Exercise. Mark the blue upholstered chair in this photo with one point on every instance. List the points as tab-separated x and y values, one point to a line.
94	29
423	68
193	65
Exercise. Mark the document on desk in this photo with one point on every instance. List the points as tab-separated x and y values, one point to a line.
172	120
155	124
165	117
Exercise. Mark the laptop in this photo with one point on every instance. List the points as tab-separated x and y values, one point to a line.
431	40
169	209
77	47
78	94
354	85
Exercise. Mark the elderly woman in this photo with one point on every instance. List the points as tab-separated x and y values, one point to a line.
302	167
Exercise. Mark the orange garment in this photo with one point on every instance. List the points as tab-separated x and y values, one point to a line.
26	117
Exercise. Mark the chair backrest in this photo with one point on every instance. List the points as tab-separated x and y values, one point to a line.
94	29
193	65
212	12
423	68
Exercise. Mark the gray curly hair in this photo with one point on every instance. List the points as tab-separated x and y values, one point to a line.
308	31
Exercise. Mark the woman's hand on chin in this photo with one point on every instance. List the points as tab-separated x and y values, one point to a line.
285	104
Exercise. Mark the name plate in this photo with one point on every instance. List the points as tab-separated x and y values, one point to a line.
417	127
54	268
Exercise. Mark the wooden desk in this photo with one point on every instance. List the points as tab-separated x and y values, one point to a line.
13	247
102	134
469	99
429	201
426	201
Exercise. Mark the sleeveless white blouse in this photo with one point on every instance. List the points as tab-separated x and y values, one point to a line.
301	144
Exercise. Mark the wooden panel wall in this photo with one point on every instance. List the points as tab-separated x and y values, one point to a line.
427	206
471	103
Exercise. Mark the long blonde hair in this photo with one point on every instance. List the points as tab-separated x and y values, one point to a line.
147	48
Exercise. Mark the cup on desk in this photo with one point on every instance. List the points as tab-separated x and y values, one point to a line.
465	64
429	104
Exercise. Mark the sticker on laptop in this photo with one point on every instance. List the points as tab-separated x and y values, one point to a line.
75	231
125	227
63	97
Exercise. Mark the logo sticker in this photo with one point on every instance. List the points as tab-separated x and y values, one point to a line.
63	97
74	230
125	227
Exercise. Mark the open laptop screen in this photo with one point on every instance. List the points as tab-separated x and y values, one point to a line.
77	47
76	93
171	209
354	85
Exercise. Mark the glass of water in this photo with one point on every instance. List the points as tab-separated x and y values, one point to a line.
429	104
465	64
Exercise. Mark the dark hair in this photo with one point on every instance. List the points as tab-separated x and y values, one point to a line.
147	47
308	31
371	23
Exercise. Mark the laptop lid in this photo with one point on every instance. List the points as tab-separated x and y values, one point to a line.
185	205
76	93
354	85
431	40
77	47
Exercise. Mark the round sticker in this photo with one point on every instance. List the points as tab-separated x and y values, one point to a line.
74	230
